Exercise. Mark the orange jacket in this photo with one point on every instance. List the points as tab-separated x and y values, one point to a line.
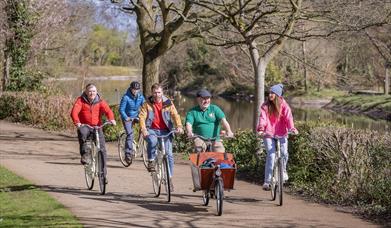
85	112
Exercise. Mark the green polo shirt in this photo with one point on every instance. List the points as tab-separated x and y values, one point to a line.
205	123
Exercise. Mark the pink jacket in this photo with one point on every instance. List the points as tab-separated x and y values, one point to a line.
271	125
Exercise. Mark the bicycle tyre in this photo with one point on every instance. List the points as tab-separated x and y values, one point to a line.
273	183
121	149
166	175
157	179
280	181
89	170
205	197
143	147
219	191
101	175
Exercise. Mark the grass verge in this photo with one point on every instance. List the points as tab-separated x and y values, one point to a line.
23	204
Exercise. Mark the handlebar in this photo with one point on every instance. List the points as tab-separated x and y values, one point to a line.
168	134
96	127
277	136
208	139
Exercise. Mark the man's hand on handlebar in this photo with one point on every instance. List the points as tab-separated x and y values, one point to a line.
179	130
113	122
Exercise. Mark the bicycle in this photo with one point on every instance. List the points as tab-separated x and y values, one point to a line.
96	166
139	147
277	180
212	180
161	175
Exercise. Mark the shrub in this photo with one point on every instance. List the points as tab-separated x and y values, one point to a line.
49	112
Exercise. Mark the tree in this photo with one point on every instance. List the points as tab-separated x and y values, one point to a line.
261	26
158	24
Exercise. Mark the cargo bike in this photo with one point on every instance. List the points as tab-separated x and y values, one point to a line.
212	173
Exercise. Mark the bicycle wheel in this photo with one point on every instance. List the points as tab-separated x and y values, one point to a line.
143	150
157	179
121	149
280	181
205	197
219	191
89	170
101	174
166	178
274	181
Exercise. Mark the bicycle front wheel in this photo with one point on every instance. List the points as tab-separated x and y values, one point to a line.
142	147
167	180
101	174
205	197
121	149
280	181
219	191
157	179
89	170
274	181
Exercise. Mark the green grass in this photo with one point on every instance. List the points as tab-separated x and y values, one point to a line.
324	93
23	204
366	102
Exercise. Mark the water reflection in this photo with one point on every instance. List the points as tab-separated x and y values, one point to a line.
238	113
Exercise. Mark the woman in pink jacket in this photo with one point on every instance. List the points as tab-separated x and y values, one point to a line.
275	120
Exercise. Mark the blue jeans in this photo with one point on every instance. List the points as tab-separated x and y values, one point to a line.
128	125
152	142
270	145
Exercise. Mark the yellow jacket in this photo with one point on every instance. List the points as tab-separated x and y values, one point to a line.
170	115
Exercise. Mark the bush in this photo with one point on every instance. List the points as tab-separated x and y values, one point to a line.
49	112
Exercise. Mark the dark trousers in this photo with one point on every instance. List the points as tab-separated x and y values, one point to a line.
84	133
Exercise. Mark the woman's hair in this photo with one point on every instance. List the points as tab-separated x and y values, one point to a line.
274	106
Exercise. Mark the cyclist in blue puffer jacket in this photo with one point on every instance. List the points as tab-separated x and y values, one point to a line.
129	108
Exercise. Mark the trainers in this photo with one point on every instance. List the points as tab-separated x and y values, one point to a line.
266	186
171	185
285	176
150	166
128	158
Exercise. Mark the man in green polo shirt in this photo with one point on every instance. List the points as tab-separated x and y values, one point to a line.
204	120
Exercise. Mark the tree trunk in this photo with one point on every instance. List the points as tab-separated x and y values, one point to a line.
305	66
259	67
150	73
387	81
6	73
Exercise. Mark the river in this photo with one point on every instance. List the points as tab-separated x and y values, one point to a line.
239	113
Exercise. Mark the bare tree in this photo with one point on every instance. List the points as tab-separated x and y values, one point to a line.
158	23
381	40
262	27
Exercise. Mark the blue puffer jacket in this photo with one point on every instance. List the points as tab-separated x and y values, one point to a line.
130	105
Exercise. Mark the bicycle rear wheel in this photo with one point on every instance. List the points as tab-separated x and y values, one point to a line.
157	179
219	191
167	180
89	170
280	181
101	174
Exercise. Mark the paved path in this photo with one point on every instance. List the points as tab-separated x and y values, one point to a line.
51	161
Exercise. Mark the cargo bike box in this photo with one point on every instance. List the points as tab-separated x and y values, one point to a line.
203	176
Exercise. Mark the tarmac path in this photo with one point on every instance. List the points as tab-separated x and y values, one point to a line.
51	161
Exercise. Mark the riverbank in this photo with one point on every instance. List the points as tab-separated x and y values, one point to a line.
374	106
